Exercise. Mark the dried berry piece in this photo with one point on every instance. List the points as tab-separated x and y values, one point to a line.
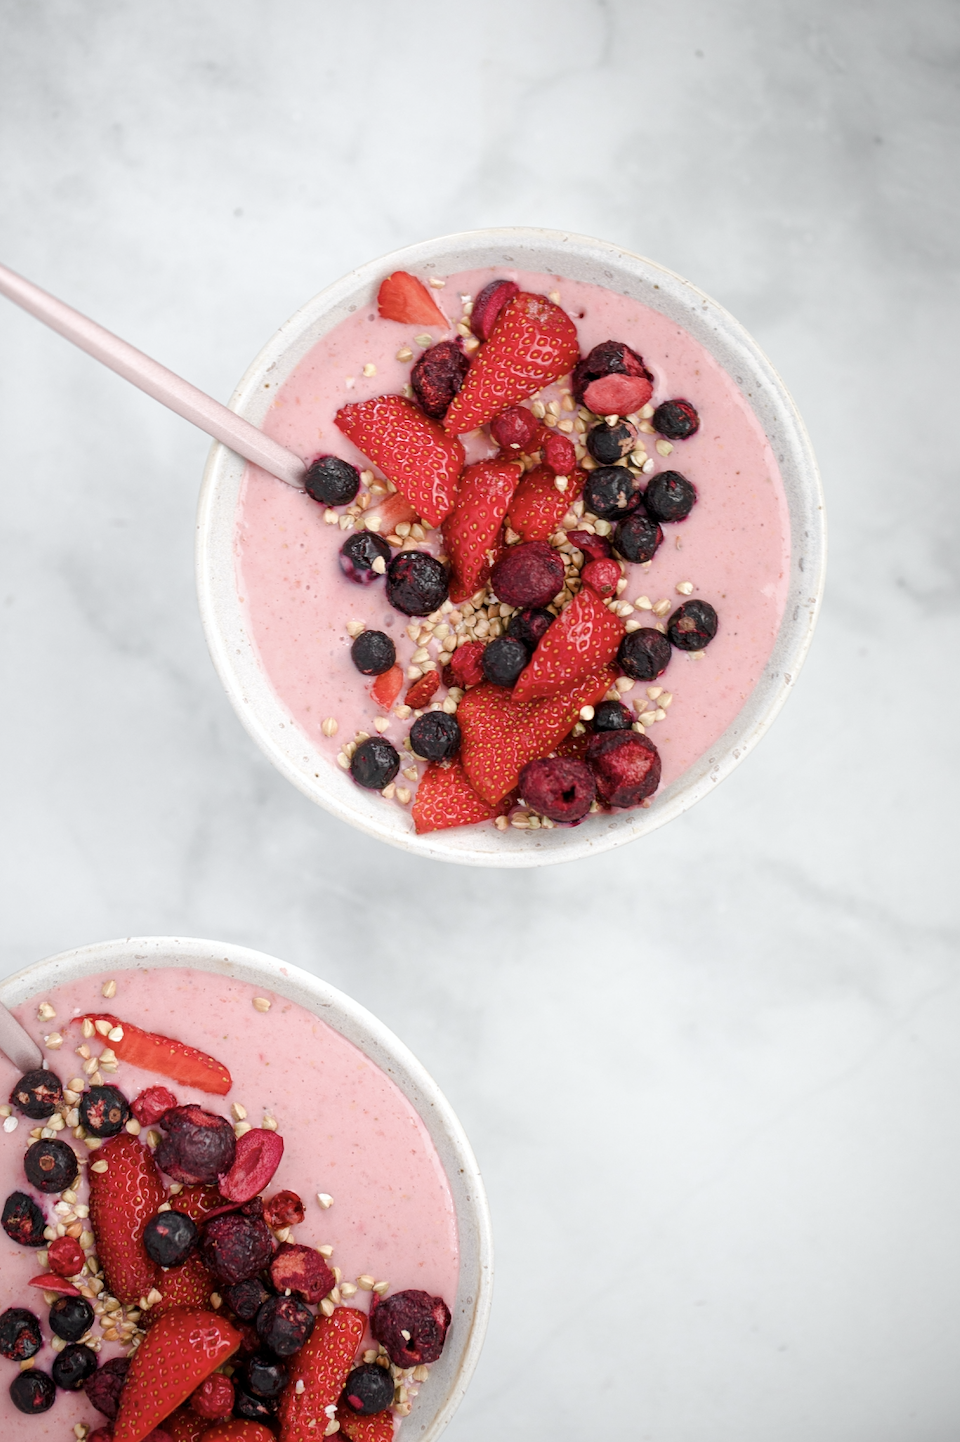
528	575
503	660
104	1111
670	497
73	1366
331	481
151	1104
257	1158
637	538
412	1326
530	625
644	654
33	1392
602	576
692	625
246	1298
560	788
358	554
368	1390
516	429
265	1376
613	715
302	1271
609	444
488	305
23	1220
236	1247
422	691
437	376
612	492
373	652
37	1094
387	687
48	1282
199	1146
170	1237
213	1399
104	1387
435	736
50	1165
560	454
595	548
283	1209
374	764
416	582
284	1325
626	767
404	298
20	1336
71	1317
65	1256
677	420
612	358
466	668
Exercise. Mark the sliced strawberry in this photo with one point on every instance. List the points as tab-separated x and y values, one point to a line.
392	512
179	1351
237	1431
387	687
378	1428
123	1198
420	692
472	528
445	798
322	1366
532	343
465	666
538	507
50	1282
500	735
575	747
198	1201
584	637
185	1426
411	450
163	1054
404	298
188	1285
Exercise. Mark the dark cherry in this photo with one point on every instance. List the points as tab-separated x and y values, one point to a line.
488	305
611	492
437	376
626	767
503	659
23	1220
613	715
20	1335
368	1389
104	1111
73	1366
677	420
435	736
560	788
358	553
104	1387
416	583
265	1376
670	497
530	574
332	481
644	655
412	1326
609	444
530	625
373	653
71	1317
37	1094
51	1166
284	1325
637	538
692	625
199	1146
236	1247
375	763
33	1392
170	1237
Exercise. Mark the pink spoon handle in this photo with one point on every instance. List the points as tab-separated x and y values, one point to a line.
171	390
17	1044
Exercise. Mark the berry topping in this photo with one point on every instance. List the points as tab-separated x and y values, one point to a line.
284	1325
412	1326
437	376
595	548
65	1256
104	1387
359	554
73	1366
472	529
20	1336
677	420
49	1282
257	1157
199	1146
170	1237
488	305
584	637
166	1055
70	1317
123	1198
200	1202
528	575
404	298
23	1220
637	538
236	1247
213	1399
246	1298
445	798
530	625
609	444
611	492
560	454
503	660
103	1111
421	691
283	1209
387	687
103	1434
251	1408
613	715
318	1373
643	655
189	1285
180	1350
414	452
368	1389
626	767
302	1271
37	1094
435	736
242	1430
416	583
631	386
265	1376
151	1104
692	625
332	481
670	496
516	429
466	666
355	1428
33	1392
50	1166
602	576
375	763
538	505
560	788
373	653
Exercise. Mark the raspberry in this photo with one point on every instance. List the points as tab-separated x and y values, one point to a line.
235	1247
609	444
677	420
530	625
37	1094
412	1326
670	496
692	625
357	555
603	576
528	575
375	763
611	492
199	1146
104	1387
213	1399
302	1271
488	305
151	1104
283	1209
465	667
65	1257
437	376
637	538
516	429
331	481
560	454
626	767
416	582
561	788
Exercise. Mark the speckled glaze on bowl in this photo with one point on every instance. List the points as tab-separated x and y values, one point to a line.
449	1376
577	258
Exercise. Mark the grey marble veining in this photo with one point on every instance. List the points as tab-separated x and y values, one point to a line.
711	1078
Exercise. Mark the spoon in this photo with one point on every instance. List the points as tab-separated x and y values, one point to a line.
18	1044
171	390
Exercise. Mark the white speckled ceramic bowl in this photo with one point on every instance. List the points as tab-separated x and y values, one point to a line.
449	1376
577	258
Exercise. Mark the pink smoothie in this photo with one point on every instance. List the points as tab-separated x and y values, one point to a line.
348	1133
733	550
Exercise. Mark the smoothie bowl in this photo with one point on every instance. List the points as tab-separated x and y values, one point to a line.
235	1207
558	559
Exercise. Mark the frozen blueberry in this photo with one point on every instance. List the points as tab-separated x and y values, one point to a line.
70	1317
437	376
611	492
332	481
373	653
416	583
104	1387
643	655
692	625
199	1146
412	1326
677	420
670	496
33	1392
530	625
609	444
358	553
265	1376
20	1336
375	763
368	1389
613	715
73	1366
435	736
530	574
284	1325
503	660
104	1111
637	538
236	1247
37	1094
170	1237
50	1165
560	788
246	1298
23	1220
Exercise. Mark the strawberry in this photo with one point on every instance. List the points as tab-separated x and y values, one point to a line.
500	735
198	1201
472	528
173	1059
188	1285
412	451
445	798
123	1198
404	298
420	692
237	1431
322	1365
179	1351
378	1428
466	666
532	343
185	1426
391	512
584	637
387	687
538	507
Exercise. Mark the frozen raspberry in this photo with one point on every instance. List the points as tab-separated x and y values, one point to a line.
677	420
51	1165
104	1387
530	625
595	548
331	481
503	660
435	736
516	429
302	1271
37	1094
23	1220
488	305
151	1104
375	763
465	666
70	1318
560	454
609	444
284	1325
33	1392
412	1326
611	492
637	538
626	767
283	1209
437	376
104	1111
73	1366
373	653
169	1238
20	1335
235	1247
560	788
603	577
265	1376
213	1399
416	583
610	357
246	1298
692	625
528	575
199	1146
670	496
368	1389
644	654
357	555
613	715
65	1257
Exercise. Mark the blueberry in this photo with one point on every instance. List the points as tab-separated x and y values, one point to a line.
170	1237
530	625
613	715
611	492
284	1325
331	481
246	1298
37	1094
670	496
368	1389
503	660
265	1376
50	1166
104	1111
416	583
70	1317
435	736
23	1220
358	553
20	1336
33	1392
252	1408
692	625
375	763
676	419
73	1366
643	655
637	538
609	444
373	653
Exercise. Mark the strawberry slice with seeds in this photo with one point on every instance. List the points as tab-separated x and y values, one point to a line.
387	687
404	298
378	1428
500	735
532	343
164	1054
198	1201
236	1431
188	1285
126	1190
322	1366
413	452
445	798
472	529
179	1352
584	637
391	512
185	1426
538	506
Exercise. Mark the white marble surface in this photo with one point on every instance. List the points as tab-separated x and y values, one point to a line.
711	1078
